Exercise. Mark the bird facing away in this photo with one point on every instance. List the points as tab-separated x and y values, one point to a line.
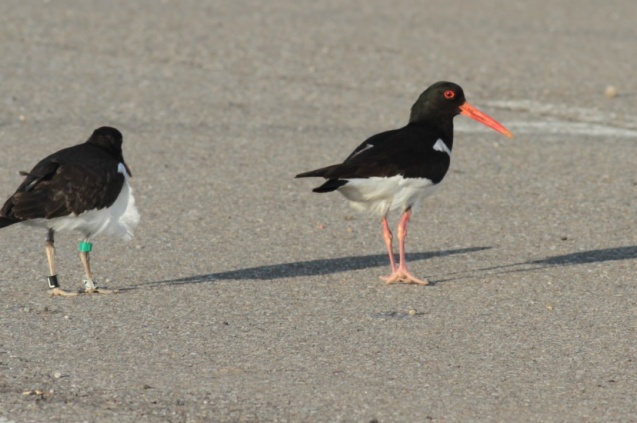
83	188
397	168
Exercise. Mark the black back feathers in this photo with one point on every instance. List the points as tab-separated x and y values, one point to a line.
71	181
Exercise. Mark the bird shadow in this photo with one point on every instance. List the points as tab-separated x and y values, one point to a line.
571	259
306	268
590	256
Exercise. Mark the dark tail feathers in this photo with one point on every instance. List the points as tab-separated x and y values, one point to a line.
311	173
329	185
4	222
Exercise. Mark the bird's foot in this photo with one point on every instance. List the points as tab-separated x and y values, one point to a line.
59	292
402	275
91	288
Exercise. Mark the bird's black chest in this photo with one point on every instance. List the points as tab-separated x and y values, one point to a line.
427	159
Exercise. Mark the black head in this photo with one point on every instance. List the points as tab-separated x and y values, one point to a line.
440	102
108	138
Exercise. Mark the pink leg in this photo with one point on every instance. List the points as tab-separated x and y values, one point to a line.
402	274
387	236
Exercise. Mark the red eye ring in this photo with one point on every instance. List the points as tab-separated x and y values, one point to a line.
449	94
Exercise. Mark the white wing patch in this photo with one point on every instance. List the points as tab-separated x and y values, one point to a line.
441	146
367	147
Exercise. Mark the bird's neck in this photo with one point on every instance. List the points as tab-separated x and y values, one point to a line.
443	131
111	148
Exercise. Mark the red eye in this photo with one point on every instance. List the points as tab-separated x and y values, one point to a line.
449	94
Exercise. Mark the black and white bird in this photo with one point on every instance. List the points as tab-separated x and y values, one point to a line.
395	169
82	188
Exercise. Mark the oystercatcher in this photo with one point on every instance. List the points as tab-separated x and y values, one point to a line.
397	168
83	188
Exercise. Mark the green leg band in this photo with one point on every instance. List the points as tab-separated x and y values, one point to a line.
85	247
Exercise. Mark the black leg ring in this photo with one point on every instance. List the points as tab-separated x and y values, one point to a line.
53	281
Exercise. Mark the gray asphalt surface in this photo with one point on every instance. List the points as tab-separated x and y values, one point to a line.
247	298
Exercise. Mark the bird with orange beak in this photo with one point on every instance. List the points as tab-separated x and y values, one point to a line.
395	169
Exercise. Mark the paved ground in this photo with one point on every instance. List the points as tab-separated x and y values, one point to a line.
248	298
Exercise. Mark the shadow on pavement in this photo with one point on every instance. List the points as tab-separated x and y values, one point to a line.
307	268
591	256
582	257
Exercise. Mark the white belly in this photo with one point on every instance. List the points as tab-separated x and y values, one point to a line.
117	220
380	195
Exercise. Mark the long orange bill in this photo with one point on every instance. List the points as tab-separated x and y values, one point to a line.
468	110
